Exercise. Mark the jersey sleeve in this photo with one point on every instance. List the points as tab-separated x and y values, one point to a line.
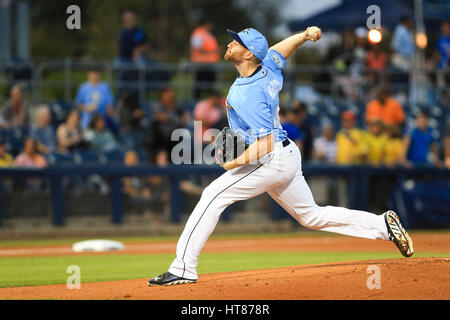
274	60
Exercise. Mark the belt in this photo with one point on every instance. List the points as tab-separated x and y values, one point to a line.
286	142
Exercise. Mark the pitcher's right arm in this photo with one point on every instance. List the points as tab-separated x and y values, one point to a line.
289	45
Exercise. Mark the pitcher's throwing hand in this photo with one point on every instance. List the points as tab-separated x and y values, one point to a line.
313	34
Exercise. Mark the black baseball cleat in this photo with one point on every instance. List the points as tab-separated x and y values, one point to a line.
398	234
168	279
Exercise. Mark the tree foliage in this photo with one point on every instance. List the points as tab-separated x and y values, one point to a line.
168	24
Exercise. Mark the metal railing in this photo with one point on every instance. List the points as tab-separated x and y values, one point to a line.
357	177
63	77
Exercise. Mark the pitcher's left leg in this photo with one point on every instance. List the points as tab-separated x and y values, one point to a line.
296	198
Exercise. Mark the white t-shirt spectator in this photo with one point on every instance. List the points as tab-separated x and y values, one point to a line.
326	147
402	41
403	44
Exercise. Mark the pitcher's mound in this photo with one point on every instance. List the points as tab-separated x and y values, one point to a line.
402	278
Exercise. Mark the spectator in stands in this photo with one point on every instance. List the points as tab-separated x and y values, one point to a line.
132	39
130	113
341	56
358	64
43	133
156	188
442	54
325	146
376	141
30	156
402	45
351	146
303	122
209	112
288	119
204	52
419	146
159	186
385	108
443	46
95	96
134	62
401	58
100	138
376	62
6	160
351	63
14	111
135	187
69	135
447	149
394	147
168	115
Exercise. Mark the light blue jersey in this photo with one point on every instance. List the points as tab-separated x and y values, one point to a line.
253	102
99	95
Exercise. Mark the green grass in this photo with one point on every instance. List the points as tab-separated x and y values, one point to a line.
69	241
28	271
45	270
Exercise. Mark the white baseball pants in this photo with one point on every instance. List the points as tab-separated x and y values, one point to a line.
280	175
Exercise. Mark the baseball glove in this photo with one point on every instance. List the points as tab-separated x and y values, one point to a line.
228	145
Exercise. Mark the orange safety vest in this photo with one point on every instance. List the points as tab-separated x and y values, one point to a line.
208	52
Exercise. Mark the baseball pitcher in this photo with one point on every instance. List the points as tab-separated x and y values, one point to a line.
268	162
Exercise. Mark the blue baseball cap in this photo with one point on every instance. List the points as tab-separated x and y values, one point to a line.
253	40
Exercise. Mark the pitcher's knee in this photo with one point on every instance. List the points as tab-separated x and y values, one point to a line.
310	217
210	192
215	199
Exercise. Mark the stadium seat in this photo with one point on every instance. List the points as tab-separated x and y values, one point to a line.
333	110
142	154
436	134
14	139
58	159
131	140
59	110
434	123
85	157
314	109
436	111
111	157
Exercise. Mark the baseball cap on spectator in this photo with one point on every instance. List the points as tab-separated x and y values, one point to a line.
348	115
253	40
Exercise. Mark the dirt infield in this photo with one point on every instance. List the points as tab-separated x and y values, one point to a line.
402	278
423	278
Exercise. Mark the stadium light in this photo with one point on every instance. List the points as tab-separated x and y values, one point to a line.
421	40
374	36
